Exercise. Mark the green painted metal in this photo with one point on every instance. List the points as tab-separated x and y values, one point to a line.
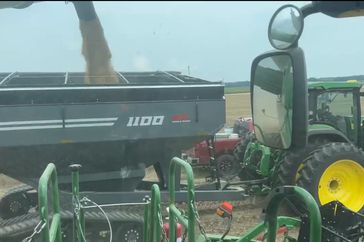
320	127
264	166
174	213
50	233
152	213
333	85
152	217
78	213
156	214
146	228
257	230
260	228
310	203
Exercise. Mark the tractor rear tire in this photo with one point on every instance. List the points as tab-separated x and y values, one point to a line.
335	172
129	232
289	171
293	162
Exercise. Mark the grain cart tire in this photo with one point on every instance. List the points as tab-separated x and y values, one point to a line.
335	172
15	202
227	166
128	233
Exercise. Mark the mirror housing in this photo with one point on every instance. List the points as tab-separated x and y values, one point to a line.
285	27
288	96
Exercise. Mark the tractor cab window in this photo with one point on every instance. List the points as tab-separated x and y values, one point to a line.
337	109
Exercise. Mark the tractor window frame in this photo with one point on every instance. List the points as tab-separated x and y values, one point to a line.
356	110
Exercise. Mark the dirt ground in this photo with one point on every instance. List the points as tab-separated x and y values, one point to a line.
246	213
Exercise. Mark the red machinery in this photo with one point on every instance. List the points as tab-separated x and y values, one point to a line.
225	143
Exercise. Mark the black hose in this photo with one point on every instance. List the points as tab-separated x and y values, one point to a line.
230	219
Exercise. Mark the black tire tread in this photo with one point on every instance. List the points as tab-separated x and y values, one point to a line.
292	160
234	170
320	159
22	226
22	188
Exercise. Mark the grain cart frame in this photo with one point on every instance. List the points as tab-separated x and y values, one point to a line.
329	162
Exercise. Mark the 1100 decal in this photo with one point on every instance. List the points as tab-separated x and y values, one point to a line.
145	121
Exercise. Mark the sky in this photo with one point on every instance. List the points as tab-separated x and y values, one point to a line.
216	41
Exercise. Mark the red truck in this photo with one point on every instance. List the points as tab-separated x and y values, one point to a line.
225	144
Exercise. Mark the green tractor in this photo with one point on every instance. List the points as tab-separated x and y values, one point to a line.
306	134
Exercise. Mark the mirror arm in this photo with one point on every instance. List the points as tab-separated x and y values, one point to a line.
309	9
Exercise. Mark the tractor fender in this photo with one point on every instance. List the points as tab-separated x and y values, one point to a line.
332	135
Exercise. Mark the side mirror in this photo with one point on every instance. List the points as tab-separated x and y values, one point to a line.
285	27
279	99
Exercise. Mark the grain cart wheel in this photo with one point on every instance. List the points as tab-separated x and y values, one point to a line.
129	232
15	202
335	172
228	166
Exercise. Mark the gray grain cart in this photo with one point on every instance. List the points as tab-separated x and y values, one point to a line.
113	131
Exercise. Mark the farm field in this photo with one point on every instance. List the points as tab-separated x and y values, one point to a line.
237	105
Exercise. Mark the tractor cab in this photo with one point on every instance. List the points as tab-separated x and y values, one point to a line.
316	126
334	107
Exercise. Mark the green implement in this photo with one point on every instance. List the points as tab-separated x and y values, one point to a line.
270	225
50	233
153	225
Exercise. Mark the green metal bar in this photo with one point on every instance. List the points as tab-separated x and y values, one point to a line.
179	215
313	211
53	231
173	214
264	167
217	238
78	224
147	221
155	213
289	222
260	228
152	219
53	234
252	233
